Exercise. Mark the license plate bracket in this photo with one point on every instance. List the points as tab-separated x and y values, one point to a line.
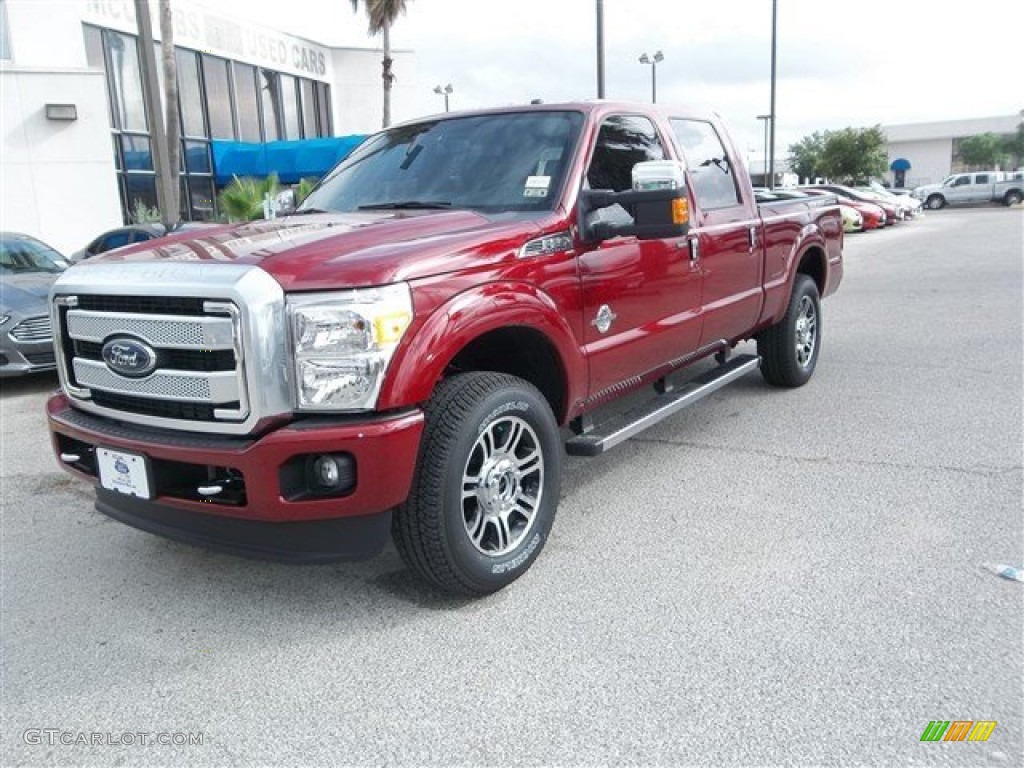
124	472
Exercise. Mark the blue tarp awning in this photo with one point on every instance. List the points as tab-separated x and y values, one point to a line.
900	164
290	160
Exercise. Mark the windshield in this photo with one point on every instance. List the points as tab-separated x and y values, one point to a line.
495	163
20	255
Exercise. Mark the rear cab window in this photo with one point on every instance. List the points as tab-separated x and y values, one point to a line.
711	173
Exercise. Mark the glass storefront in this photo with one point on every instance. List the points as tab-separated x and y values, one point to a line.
217	99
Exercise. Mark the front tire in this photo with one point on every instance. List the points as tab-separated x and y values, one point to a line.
486	484
935	202
789	349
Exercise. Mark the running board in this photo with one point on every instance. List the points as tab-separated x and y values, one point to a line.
621	428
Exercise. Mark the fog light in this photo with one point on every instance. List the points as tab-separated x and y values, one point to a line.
326	472
330	473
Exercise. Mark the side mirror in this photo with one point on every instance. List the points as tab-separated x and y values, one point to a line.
285	202
658	205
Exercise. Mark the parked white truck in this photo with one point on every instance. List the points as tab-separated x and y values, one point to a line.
980	187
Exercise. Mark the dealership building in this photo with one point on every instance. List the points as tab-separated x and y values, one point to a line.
926	153
76	156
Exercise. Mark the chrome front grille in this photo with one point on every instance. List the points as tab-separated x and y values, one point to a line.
187	348
33	330
216	332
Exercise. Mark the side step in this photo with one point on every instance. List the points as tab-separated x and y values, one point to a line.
621	428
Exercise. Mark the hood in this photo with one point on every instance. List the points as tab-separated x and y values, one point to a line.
339	250
26	292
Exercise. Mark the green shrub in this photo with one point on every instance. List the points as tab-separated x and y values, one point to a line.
242	199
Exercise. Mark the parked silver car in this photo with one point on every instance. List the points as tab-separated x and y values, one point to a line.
28	268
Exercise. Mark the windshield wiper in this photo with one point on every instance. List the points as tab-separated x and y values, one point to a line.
406	205
304	211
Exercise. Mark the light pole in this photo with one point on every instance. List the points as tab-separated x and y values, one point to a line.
771	142
446	91
767	120
599	10
653	61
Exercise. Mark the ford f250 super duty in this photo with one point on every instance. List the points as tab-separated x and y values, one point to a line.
413	350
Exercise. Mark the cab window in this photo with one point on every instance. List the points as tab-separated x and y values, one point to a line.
711	172
623	141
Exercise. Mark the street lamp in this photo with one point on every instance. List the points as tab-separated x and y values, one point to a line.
446	91
653	61
767	120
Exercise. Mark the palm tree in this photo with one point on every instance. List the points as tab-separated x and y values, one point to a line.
382	14
173	126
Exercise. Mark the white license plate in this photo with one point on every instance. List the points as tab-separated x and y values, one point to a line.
126	473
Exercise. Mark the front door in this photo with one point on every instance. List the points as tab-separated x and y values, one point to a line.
641	298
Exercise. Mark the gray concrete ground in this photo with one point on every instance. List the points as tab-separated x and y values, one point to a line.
775	577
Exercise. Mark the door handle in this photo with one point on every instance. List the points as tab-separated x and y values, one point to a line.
694	243
752	231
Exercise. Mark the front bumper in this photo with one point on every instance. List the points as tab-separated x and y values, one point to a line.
18	358
262	516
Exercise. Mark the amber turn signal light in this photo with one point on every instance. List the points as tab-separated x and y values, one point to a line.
680	210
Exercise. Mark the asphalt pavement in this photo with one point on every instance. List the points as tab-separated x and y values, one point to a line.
774	577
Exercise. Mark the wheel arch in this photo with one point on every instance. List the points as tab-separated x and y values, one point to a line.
813	263
506	327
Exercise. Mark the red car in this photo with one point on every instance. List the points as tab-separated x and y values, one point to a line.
399	356
874	216
892	212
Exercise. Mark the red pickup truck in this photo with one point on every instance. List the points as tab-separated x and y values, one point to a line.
412	350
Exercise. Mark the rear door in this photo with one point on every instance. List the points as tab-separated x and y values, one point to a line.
981	190
641	298
726	231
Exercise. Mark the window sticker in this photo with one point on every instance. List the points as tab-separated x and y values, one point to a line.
537	186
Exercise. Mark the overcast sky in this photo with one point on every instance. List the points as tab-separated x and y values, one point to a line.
857	62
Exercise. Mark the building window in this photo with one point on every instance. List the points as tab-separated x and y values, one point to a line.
323	107
5	43
289	108
125	83
307	91
246	102
218	97
270	99
190	94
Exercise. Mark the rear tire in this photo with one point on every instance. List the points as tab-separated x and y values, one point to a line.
1012	197
486	484
935	202
789	349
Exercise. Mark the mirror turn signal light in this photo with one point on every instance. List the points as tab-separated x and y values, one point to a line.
680	210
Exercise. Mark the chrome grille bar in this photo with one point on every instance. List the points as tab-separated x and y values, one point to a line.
158	330
186	386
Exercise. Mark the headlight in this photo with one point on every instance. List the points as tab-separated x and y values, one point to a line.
343	343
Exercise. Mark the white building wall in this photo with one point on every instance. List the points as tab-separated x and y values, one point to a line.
58	178
46	33
930	160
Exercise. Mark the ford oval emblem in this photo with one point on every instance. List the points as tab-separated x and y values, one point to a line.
129	357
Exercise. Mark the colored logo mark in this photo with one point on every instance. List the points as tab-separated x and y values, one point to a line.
958	730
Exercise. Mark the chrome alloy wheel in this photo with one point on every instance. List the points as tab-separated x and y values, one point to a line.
806	332
502	486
